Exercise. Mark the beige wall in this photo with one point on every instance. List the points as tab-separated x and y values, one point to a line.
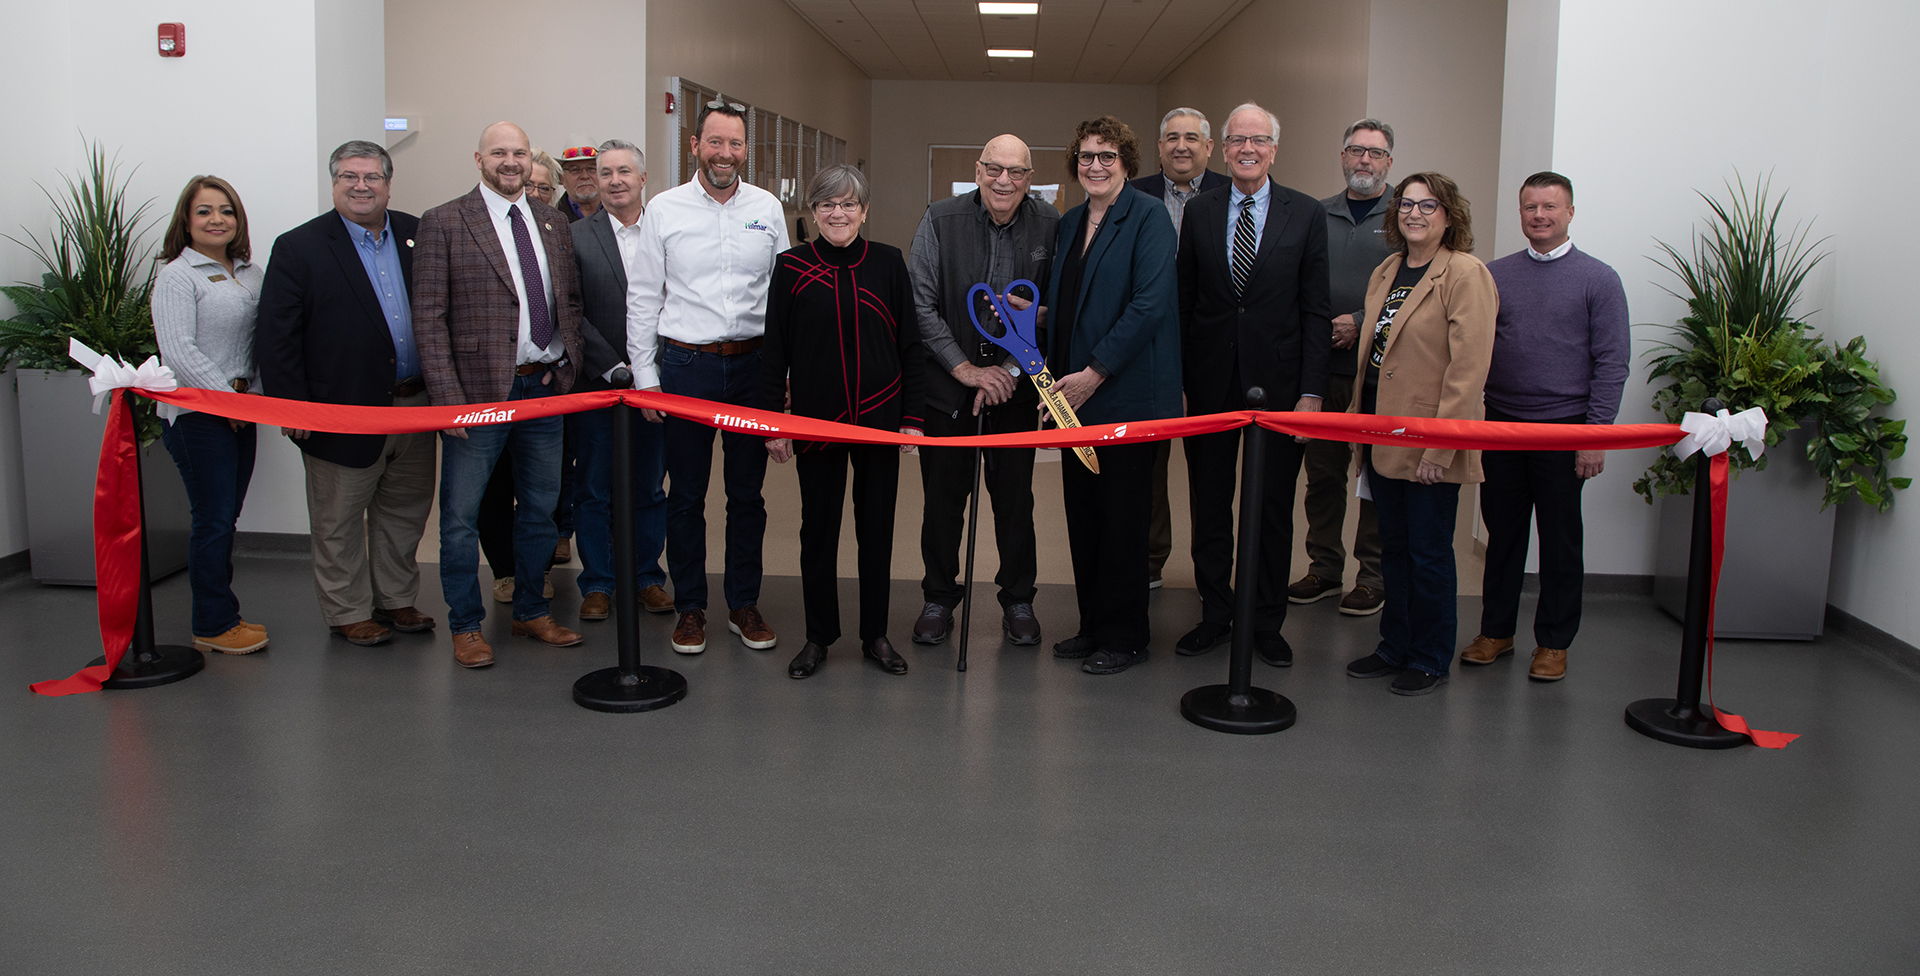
910	116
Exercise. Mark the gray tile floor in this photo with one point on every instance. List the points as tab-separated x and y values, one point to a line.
321	808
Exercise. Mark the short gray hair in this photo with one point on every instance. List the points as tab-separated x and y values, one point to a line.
360	149
837	181
1206	130
1272	119
612	144
1372	124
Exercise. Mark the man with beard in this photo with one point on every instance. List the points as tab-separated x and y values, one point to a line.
696	314
1356	244
577	170
496	309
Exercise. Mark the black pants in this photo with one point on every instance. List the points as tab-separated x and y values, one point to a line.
1107	519
1212	477
1525	487
946	476
823	492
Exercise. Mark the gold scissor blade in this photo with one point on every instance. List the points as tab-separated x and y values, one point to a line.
1063	416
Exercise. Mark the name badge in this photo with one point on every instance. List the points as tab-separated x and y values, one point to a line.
216	278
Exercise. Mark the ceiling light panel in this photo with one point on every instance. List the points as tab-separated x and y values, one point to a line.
1006	9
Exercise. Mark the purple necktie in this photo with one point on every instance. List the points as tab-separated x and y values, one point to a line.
541	321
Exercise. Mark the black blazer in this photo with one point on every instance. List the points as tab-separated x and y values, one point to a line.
603	300
320	335
1154	184
1279	333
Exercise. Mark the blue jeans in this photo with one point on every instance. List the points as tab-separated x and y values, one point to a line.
1416	557
534	447
726	379
216	463
593	513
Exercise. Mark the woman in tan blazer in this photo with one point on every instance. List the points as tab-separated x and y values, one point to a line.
1432	307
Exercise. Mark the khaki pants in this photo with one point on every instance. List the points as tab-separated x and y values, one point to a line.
1327	464
382	508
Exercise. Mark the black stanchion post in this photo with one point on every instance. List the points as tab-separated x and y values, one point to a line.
1680	720
1238	706
147	664
631	686
973	516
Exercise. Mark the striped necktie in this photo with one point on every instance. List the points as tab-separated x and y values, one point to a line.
1243	248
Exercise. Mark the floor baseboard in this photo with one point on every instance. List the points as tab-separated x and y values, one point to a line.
1879	644
1601	584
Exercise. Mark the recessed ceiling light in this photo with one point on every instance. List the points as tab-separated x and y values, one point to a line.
1009	52
1009	8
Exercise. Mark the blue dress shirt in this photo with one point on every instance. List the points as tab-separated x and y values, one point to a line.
381	257
1261	197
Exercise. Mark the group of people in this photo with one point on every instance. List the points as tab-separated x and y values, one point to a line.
1162	295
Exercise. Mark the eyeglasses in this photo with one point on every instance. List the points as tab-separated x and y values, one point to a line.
1427	207
719	103
829	206
1015	173
545	189
1258	142
1107	158
578	152
1367	151
354	179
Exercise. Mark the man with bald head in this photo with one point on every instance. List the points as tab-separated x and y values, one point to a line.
997	234
496	312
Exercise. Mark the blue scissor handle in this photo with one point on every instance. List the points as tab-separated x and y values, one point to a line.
1021	330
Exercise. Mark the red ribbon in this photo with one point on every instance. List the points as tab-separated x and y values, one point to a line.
1717	478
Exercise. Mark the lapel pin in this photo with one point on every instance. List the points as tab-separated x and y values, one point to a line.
547	226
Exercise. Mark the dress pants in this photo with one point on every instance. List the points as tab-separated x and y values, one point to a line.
823	493
725	379
946	477
1213	478
366	525
593	501
1107	515
1523	489
533	449
1160	524
216	463
1416	541
1327	464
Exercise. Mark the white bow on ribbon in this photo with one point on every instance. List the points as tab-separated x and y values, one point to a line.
1715	433
110	373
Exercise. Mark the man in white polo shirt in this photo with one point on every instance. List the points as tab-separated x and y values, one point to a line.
696	312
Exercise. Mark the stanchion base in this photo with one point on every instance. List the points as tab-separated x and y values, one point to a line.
1656	718
648	688
168	664
1262	711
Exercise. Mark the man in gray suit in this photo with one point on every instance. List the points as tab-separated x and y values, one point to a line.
605	245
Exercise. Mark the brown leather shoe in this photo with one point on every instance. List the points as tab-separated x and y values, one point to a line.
690	634
597	606
546	630
563	552
1362	600
753	631
1549	664
406	620
365	633
1486	650
469	651
656	599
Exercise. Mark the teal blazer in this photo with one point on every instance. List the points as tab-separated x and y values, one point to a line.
1128	311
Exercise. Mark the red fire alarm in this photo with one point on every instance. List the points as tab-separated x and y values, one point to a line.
173	40
669	103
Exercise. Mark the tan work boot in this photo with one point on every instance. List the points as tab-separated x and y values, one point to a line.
1486	650
1549	664
240	640
470	651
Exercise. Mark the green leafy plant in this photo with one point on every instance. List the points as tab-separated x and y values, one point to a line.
1741	342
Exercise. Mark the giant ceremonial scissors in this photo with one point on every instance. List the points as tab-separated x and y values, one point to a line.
1019	329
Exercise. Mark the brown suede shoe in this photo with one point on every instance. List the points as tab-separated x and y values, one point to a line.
547	631
597	606
365	633
753	631
503	590
656	599
252	626
690	634
406	620
563	552
469	651
1549	664
1486	650
1362	600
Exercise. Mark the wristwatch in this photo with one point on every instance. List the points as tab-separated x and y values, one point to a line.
1012	368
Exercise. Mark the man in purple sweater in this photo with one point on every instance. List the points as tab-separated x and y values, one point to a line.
1559	357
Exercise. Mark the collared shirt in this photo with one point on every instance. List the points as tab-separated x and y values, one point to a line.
203	320
626	237
1261	198
498	206
382	260
1176	198
1553	255
703	270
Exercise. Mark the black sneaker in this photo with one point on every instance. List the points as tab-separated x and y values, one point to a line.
935	623
1074	647
1203	638
1020	625
1273	649
1371	666
1416	682
1113	662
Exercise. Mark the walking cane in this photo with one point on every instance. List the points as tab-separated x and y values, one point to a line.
973	519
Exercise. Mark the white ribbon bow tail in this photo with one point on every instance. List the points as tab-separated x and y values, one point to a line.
1713	434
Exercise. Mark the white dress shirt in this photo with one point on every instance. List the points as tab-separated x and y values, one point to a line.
702	272
497	206
626	237
1553	255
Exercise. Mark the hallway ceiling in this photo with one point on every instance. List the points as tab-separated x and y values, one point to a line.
1122	42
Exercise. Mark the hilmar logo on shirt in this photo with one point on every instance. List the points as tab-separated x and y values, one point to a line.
1039	253
757	225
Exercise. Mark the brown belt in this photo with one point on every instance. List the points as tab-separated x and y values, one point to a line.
411	386
528	369
733	348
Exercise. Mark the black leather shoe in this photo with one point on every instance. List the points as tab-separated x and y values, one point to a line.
935	623
1113	662
1273	649
1074	647
807	661
1203	638
1021	628
880	651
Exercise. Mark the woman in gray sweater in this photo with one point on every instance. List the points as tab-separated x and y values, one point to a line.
204	302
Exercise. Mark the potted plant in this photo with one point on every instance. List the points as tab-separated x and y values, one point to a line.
96	287
1742	342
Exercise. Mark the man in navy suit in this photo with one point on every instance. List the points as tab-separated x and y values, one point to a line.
335	326
1254	311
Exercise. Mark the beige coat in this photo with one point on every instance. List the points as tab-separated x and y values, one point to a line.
1436	359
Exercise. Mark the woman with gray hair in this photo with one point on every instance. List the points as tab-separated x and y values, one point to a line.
842	344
